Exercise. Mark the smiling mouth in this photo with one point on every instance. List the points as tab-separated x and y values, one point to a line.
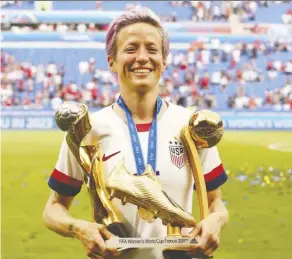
141	71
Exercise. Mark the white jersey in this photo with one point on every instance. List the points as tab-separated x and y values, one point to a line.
111	131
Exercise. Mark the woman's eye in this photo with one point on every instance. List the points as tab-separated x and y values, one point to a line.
130	49
153	50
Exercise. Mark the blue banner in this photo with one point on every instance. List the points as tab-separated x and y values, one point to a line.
44	120
257	121
28	121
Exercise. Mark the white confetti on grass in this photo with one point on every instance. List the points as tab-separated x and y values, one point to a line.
282	147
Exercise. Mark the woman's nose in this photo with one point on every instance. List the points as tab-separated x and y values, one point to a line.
142	56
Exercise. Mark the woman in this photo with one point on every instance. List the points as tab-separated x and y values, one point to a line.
137	47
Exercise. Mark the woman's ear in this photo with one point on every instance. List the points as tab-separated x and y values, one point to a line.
163	67
111	64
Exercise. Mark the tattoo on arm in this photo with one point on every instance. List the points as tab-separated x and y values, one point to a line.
71	227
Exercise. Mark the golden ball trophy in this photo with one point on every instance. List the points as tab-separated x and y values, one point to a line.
205	130
73	118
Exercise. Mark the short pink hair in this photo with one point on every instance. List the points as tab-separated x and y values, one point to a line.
135	15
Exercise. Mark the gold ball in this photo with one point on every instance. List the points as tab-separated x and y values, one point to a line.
206	128
68	114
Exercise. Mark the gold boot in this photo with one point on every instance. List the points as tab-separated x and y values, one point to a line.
146	192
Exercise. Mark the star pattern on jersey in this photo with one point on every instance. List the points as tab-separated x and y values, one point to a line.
177	153
175	143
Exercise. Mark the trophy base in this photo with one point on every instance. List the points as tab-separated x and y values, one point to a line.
118	229
176	254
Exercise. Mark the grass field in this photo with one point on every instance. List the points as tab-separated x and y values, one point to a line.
260	215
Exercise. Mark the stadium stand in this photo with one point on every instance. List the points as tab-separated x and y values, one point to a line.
199	72
241	75
254	11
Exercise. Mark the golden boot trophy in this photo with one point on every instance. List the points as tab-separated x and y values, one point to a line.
74	118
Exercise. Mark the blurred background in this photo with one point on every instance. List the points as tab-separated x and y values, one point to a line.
233	57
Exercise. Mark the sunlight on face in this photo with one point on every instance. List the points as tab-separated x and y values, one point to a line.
139	60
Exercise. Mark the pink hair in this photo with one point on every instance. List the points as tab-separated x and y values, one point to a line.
135	15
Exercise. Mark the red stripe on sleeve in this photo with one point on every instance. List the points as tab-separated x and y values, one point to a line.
63	178
214	173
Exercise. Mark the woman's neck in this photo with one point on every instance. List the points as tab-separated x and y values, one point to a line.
142	106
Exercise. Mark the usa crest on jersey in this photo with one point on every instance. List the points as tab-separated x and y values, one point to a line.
177	154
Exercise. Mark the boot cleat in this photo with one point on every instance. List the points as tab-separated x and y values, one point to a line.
146	192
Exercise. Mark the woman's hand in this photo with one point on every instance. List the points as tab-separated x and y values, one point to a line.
93	236
207	233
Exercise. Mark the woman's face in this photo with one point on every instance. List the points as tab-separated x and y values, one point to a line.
139	61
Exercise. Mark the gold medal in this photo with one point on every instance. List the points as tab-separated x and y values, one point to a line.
146	215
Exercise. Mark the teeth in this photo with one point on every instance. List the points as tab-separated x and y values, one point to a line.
141	70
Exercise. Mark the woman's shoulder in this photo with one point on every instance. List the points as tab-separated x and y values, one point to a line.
102	122
102	114
180	110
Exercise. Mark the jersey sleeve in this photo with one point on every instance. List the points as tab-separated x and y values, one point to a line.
213	169
67	177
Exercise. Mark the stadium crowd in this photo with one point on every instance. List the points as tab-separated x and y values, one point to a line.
210	11
54	27
188	81
287	16
202	11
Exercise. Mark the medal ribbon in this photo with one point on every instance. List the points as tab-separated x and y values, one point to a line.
152	139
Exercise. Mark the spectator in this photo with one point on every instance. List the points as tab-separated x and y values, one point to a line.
71	93
224	80
252	103
287	17
91	66
92	27
210	100
216	77
205	81
81	28
6	92
268	97
98	5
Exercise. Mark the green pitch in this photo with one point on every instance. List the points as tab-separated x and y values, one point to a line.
260	206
